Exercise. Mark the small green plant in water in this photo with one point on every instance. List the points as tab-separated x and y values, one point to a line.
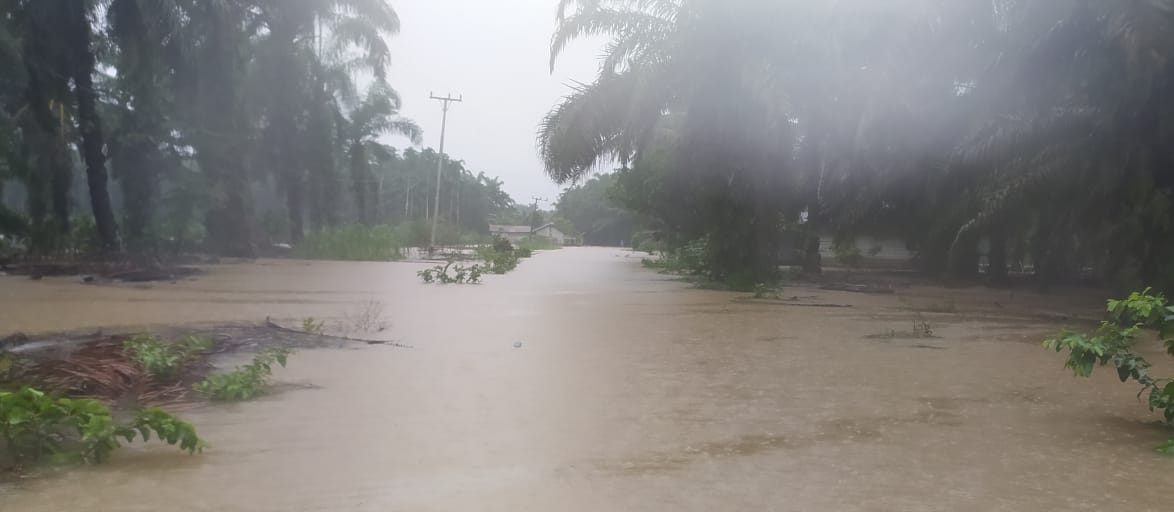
245	382
164	360
312	326
35	425
1112	343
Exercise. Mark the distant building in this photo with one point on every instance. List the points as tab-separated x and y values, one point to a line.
551	233
511	233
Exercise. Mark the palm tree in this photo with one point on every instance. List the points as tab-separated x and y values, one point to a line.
305	38
1076	136
377	114
685	85
40	111
142	37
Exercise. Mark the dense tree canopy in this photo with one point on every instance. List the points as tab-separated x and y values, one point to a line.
590	208
1032	133
224	125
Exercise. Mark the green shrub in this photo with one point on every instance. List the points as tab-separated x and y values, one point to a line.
687	259
501	257
34	425
245	382
846	252
1113	342
165	360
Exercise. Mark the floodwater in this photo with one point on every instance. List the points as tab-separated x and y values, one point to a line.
630	391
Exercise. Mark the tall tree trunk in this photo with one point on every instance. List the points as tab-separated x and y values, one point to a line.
963	256
293	205
35	185
360	174
997	255
51	176
89	124
139	186
408	201
60	180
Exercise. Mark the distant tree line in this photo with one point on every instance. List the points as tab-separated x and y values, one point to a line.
212	124
1041	132
594	214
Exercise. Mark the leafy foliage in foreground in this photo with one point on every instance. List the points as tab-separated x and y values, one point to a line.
1113	342
245	382
34	425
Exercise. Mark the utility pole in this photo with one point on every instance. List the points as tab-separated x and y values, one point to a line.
535	213
445	100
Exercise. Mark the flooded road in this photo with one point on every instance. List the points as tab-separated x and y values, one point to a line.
630	391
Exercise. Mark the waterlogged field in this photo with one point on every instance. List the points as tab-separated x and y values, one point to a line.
613	387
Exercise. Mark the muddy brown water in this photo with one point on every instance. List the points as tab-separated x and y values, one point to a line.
630	391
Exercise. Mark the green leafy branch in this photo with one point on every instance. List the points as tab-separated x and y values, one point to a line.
246	382
1113	341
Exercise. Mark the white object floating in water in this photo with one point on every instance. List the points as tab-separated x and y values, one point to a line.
517	344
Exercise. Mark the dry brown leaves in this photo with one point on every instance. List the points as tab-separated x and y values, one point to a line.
104	371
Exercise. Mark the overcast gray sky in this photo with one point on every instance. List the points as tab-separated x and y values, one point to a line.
496	54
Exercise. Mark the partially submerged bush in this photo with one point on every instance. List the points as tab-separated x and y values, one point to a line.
35	425
687	259
1113	342
245	382
502	256
460	274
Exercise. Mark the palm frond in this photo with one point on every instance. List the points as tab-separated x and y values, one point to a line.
600	120
639	26
377	13
360	33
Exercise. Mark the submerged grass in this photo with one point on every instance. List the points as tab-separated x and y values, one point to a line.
537	244
379	243
352	243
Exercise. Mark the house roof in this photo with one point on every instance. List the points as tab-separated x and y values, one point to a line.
548	225
496	228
